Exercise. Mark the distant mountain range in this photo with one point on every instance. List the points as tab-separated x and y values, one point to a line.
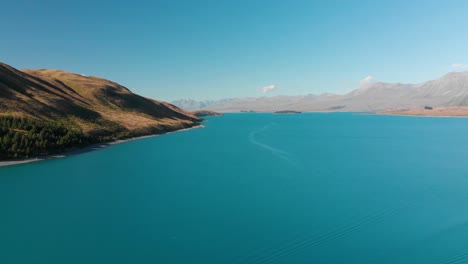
449	90
190	105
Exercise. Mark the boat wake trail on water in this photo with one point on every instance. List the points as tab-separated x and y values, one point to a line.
277	152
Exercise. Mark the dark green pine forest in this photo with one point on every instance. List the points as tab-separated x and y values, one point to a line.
45	112
24	138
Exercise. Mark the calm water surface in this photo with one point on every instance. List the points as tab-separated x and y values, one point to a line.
250	188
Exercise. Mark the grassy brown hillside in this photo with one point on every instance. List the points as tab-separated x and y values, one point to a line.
99	109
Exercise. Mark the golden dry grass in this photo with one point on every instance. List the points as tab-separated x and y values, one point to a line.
459	111
91	103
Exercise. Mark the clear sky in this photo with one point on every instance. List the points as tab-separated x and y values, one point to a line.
211	49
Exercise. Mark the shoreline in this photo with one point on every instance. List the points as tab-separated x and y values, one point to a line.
451	112
426	116
87	149
382	113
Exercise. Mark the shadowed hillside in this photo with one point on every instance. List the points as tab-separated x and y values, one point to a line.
100	109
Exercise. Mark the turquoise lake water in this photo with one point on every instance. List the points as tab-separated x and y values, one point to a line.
250	188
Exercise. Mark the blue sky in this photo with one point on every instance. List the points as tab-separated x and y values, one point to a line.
210	49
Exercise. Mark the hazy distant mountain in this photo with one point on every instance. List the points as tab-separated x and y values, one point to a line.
449	90
189	104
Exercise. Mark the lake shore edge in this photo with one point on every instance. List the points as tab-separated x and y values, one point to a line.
451	111
90	148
